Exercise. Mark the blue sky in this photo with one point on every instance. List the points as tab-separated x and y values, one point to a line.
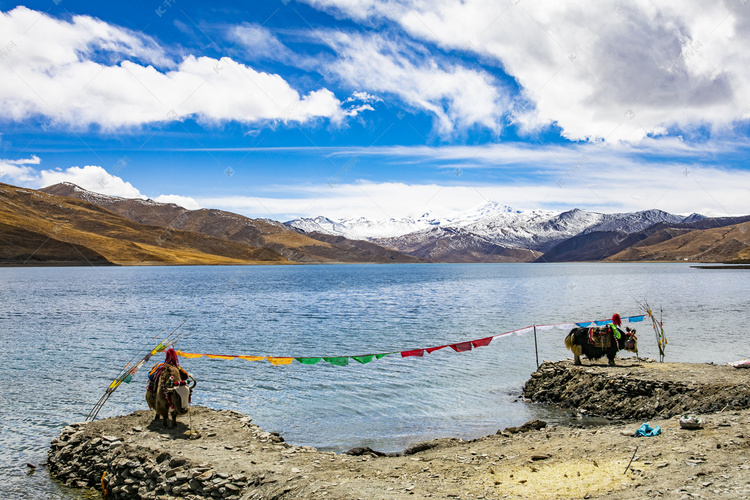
381	108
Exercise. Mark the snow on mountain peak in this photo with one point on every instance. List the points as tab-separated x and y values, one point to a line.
362	228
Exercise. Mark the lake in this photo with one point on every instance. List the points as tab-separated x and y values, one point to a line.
67	332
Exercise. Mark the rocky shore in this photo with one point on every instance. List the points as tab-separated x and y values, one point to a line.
230	457
635	389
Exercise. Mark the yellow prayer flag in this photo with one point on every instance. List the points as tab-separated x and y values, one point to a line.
219	356
280	361
252	358
188	355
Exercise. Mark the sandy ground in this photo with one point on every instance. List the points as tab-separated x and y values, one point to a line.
551	462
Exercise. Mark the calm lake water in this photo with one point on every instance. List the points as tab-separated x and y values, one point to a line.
66	332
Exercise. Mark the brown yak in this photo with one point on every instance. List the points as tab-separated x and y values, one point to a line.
168	389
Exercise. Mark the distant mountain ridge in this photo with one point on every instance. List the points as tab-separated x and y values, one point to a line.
491	232
293	245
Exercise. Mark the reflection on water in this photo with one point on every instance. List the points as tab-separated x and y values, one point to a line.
66	332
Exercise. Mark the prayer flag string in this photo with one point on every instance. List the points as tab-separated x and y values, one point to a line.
366	358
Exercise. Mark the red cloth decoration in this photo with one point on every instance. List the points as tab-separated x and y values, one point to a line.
415	352
482	342
433	349
616	320
461	346
171	357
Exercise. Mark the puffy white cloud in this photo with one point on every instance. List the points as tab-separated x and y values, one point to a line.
459	97
53	68
614	70
90	177
183	201
18	171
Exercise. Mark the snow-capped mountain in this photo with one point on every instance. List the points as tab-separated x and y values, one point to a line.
362	228
493	222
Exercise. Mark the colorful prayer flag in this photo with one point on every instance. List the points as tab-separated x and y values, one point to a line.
280	361
308	361
416	352
482	342
461	346
363	359
338	361
430	350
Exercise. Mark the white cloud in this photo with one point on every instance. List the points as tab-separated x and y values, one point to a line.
183	201
90	177
52	68
614	70
457	96
258	42
708	190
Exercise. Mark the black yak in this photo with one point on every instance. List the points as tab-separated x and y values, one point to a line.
595	343
168	389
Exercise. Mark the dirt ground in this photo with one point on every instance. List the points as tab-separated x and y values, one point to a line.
550	462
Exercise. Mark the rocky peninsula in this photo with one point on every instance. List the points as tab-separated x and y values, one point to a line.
230	457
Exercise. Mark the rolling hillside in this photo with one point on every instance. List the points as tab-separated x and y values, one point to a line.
600	245
286	241
69	226
721	244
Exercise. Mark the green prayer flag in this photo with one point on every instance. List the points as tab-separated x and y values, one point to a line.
378	356
128	379
363	359
308	361
340	361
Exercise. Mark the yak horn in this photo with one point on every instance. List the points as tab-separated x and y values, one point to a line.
195	382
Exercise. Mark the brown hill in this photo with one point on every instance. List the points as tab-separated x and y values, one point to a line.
20	246
104	234
229	226
598	245
720	244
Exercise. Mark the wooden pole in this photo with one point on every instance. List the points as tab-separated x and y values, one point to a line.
536	349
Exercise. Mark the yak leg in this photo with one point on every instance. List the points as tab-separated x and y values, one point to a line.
577	353
611	357
174	418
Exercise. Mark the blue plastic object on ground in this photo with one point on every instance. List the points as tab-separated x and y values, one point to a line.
646	430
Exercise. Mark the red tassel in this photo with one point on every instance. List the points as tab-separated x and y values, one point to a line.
171	357
616	319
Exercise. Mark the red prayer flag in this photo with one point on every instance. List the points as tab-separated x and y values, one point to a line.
433	349
482	342
415	352
461	346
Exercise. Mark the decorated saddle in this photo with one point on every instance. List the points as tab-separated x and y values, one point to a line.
600	337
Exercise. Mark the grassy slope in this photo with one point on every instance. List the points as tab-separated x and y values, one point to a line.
291	244
116	238
721	244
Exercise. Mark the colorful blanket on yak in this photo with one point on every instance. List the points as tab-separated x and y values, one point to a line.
153	376
599	337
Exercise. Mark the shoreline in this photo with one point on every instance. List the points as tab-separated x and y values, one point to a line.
36	264
233	458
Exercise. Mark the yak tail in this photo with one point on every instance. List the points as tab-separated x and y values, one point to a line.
574	348
569	341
